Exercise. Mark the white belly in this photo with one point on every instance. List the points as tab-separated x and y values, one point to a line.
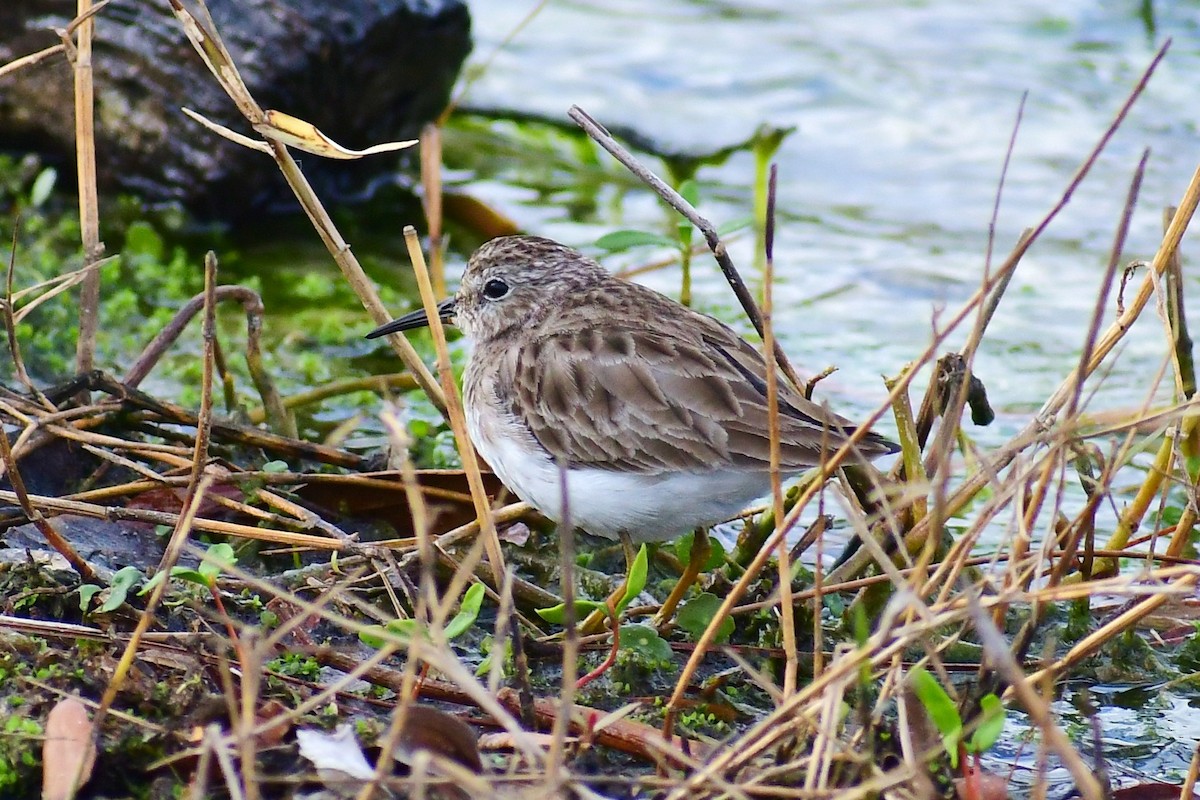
608	503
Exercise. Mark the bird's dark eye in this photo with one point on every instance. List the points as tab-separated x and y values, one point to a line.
495	289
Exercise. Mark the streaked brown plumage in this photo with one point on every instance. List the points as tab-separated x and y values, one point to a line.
659	413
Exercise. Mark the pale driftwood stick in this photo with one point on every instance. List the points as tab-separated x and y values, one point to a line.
603	138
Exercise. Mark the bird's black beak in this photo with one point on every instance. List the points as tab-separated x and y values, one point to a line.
415	319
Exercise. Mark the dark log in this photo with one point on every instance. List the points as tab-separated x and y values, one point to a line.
363	71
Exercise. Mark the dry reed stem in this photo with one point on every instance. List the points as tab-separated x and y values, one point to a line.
454	409
10	327
57	285
208	44
976	481
431	202
80	55
787	611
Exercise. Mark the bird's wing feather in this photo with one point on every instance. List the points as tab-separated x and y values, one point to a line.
653	401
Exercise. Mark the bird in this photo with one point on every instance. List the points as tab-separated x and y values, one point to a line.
657	413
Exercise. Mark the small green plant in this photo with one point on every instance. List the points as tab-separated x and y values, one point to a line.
634	585
18	758
488	648
296	665
122	581
635	582
468	611
696	614
942	711
216	558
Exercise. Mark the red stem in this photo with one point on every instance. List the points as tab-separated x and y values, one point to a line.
612	653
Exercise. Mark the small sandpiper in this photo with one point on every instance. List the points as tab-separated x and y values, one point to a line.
658	413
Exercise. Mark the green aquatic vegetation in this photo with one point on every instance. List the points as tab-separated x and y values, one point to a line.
20	744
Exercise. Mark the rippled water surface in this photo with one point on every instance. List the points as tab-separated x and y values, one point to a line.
903	114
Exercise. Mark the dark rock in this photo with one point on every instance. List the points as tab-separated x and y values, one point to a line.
363	71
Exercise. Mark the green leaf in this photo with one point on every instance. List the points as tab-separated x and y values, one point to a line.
215	560
990	727
275	466
123	580
696	614
43	185
636	582
489	646
142	240
941	710
372	636
645	642
690	190
734	225
558	614
378	635
1192	464
468	611
618	241
484	667
189	575
155	580
716	552
86	592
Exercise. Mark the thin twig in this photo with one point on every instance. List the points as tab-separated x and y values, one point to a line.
1012	143
276	412
31	59
10	324
53	537
711	236
1110	271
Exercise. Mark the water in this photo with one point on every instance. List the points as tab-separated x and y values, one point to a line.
904	112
